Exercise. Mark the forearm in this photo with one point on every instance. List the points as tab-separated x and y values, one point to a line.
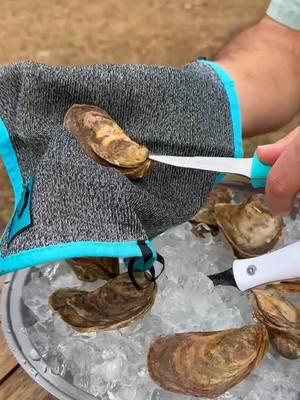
264	61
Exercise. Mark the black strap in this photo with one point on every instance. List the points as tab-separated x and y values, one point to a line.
131	273
146	251
147	256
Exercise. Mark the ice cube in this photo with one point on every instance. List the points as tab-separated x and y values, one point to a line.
50	270
82	381
35	296
112	369
64	277
196	281
124	393
160	394
61	328
42	336
57	361
234	298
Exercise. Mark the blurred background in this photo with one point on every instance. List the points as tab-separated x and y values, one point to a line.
166	32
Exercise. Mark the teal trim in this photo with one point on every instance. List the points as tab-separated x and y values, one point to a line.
55	253
259	172
11	164
235	110
22	218
219	179
10	161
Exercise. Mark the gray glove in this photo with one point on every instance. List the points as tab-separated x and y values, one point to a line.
67	205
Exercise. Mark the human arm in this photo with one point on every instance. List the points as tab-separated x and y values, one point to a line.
264	61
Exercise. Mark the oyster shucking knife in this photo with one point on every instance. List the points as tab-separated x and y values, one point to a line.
279	265
252	168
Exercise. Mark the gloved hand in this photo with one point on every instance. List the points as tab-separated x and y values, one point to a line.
69	206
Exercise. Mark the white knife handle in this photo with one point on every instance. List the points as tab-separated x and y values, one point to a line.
282	264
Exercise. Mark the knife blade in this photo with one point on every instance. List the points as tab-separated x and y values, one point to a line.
252	168
279	265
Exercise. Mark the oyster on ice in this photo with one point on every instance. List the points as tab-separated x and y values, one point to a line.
281	317
204	221
207	364
249	227
105	142
286	344
114	305
91	269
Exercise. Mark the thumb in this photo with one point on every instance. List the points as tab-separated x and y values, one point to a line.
269	153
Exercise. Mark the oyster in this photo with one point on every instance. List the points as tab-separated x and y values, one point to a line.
105	142
281	317
286	344
91	269
287	287
204	221
207	364
112	306
250	228
273	309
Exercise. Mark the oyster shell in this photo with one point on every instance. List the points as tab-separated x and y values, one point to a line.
105	142
292	287
286	344
274	310
114	305
250	228
281	317
206	364
204	221
91	269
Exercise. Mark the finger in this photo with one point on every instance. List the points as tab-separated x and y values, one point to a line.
283	183
269	153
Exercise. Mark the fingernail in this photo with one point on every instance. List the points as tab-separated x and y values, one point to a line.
265	146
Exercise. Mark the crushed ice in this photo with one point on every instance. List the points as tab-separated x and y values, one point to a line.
112	365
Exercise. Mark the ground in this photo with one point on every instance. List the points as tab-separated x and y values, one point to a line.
67	32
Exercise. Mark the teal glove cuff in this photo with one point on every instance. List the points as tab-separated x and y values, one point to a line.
259	172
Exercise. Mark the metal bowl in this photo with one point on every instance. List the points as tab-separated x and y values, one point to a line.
16	317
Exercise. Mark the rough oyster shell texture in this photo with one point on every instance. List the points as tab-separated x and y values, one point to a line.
281	316
207	364
105	142
112	306
250	228
204	221
91	269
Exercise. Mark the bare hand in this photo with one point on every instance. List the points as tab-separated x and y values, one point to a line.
283	183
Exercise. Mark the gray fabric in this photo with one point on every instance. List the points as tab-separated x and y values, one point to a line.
171	111
286	12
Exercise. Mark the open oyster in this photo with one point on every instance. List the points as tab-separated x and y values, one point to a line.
105	142
204	221
112	306
206	364
249	227
91	269
281	317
